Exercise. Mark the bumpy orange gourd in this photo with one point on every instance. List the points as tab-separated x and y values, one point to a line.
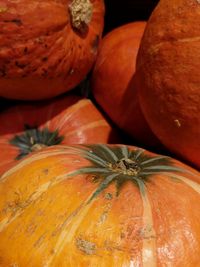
113	81
168	68
25	128
47	47
99	205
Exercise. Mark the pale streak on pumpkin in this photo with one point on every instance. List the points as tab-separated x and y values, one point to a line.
34	197
68	233
155	48
31	159
71	110
188	40
195	186
149	239
91	125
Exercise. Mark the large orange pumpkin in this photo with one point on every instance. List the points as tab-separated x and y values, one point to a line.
47	47
99	205
26	128
112	81
168	68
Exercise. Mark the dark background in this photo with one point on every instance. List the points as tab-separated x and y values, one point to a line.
119	12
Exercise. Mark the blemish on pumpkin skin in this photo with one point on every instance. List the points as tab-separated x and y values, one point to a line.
18	22
177	122
85	246
108	196
103	218
45	171
44	59
20	65
38	243
3	9
25	50
3	72
31	229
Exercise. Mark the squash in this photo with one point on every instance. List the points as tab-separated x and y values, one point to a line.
168	77
99	205
27	128
112	82
47	47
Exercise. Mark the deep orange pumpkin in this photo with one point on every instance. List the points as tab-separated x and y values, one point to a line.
112	81
47	47
99	205
168	68
25	129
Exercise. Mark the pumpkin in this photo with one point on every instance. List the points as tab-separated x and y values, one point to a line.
99	205
112	81
27	128
47	47
168	78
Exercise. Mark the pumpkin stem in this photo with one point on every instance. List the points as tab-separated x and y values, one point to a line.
126	166
34	139
81	14
37	147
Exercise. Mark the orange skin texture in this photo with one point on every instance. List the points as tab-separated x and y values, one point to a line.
76	119
113	81
41	54
168	66
45	219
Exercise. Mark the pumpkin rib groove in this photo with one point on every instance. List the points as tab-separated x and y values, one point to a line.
134	220
195	186
94	125
28	160
34	197
29	41
66	236
71	111
149	239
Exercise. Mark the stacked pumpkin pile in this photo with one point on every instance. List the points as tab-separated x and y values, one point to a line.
77	185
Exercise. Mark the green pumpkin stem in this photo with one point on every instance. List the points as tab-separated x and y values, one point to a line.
34	139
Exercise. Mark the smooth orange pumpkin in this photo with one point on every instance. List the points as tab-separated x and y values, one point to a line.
27	128
99	205
112	81
47	47
168	67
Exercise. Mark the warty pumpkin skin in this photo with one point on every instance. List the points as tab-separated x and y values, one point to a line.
113	81
47	47
168	77
99	205
28	128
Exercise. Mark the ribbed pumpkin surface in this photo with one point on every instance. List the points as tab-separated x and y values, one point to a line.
47	47
27	128
99	205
